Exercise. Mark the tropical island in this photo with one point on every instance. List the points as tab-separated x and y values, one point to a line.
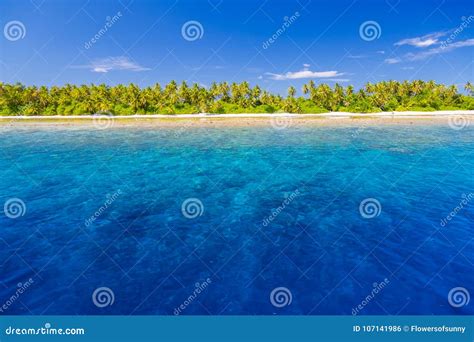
224	98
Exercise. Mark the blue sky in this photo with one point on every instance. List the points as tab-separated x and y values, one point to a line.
147	41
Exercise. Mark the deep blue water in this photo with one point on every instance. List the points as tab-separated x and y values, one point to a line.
318	245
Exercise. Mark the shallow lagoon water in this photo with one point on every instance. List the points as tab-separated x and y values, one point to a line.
317	245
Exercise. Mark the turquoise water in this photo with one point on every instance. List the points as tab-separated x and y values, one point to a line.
245	239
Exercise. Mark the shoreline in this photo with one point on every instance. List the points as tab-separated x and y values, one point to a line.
453	119
406	114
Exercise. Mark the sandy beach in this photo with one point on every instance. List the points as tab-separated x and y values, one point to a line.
280	120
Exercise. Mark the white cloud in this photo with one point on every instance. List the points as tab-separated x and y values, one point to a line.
113	63
393	60
305	73
339	79
440	49
422	42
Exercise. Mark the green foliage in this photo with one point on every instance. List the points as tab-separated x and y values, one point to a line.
308	106
174	98
468	102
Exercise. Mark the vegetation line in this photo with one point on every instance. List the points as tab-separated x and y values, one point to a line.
222	98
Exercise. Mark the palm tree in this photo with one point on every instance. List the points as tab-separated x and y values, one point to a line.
183	93
255	97
291	92
121	99
224	91
469	88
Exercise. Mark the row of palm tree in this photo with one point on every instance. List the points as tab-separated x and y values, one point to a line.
16	99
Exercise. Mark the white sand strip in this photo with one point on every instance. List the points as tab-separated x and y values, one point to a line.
408	114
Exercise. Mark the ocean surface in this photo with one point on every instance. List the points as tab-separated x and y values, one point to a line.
249	220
